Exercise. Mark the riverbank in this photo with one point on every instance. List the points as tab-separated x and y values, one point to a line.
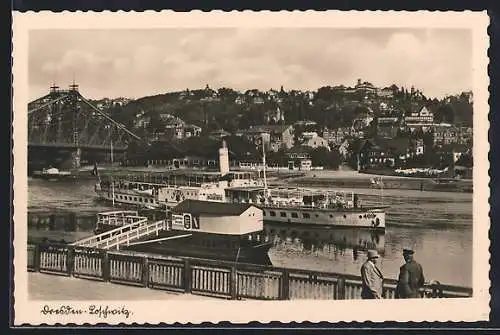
353	179
324	178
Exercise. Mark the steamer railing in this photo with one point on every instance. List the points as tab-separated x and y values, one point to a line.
116	218
208	277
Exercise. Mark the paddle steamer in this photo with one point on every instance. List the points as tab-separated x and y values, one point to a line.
279	205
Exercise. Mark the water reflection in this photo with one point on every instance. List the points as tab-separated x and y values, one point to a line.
333	240
72	221
444	253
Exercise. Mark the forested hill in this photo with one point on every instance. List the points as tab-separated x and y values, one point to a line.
329	107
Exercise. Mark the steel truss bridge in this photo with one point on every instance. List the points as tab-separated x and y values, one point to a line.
64	120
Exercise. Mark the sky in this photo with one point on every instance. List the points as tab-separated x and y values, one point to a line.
137	63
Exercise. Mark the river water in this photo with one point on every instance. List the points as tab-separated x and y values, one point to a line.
437	225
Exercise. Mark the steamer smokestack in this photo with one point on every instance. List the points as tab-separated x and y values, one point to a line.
223	159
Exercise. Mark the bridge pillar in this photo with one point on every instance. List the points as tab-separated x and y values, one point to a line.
75	158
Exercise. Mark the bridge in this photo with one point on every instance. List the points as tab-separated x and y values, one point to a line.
64	123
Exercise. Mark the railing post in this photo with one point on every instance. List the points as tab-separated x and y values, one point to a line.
70	260
145	272
386	294
233	280
37	257
285	285
105	265
187	277
341	288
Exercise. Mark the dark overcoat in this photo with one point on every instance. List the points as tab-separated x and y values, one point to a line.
411	279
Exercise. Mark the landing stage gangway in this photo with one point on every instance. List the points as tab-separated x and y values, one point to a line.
134	228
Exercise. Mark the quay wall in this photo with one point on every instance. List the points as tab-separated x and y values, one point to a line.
226	280
402	183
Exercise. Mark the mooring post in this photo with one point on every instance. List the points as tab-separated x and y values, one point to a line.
105	265
145	272
341	288
36	259
233	281
187	277
70	260
285	285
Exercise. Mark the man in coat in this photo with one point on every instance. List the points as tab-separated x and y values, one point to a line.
411	277
371	277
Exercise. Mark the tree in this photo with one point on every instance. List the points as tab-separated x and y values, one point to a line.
227	94
371	130
155	124
323	157
279	157
466	160
325	93
444	114
241	148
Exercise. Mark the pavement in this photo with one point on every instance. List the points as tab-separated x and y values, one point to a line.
52	287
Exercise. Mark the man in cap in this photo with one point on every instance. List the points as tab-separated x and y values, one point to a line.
411	277
371	277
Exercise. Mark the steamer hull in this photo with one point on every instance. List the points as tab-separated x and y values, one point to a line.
210	246
355	218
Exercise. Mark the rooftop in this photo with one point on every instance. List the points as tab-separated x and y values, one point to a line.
269	128
246	188
456	147
396	145
209	207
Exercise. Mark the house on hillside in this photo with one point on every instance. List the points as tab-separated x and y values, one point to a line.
386	92
383	153
336	136
466	136
452	150
363	120
299	158
387	127
365	87
275	116
423	117
258	100
170	119
240	100
274	137
311	139
305	123
417	147
176	128
142	121
191	130
183	131
444	134
219	134
447	134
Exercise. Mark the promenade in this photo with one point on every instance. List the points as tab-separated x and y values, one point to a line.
205	277
49	287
